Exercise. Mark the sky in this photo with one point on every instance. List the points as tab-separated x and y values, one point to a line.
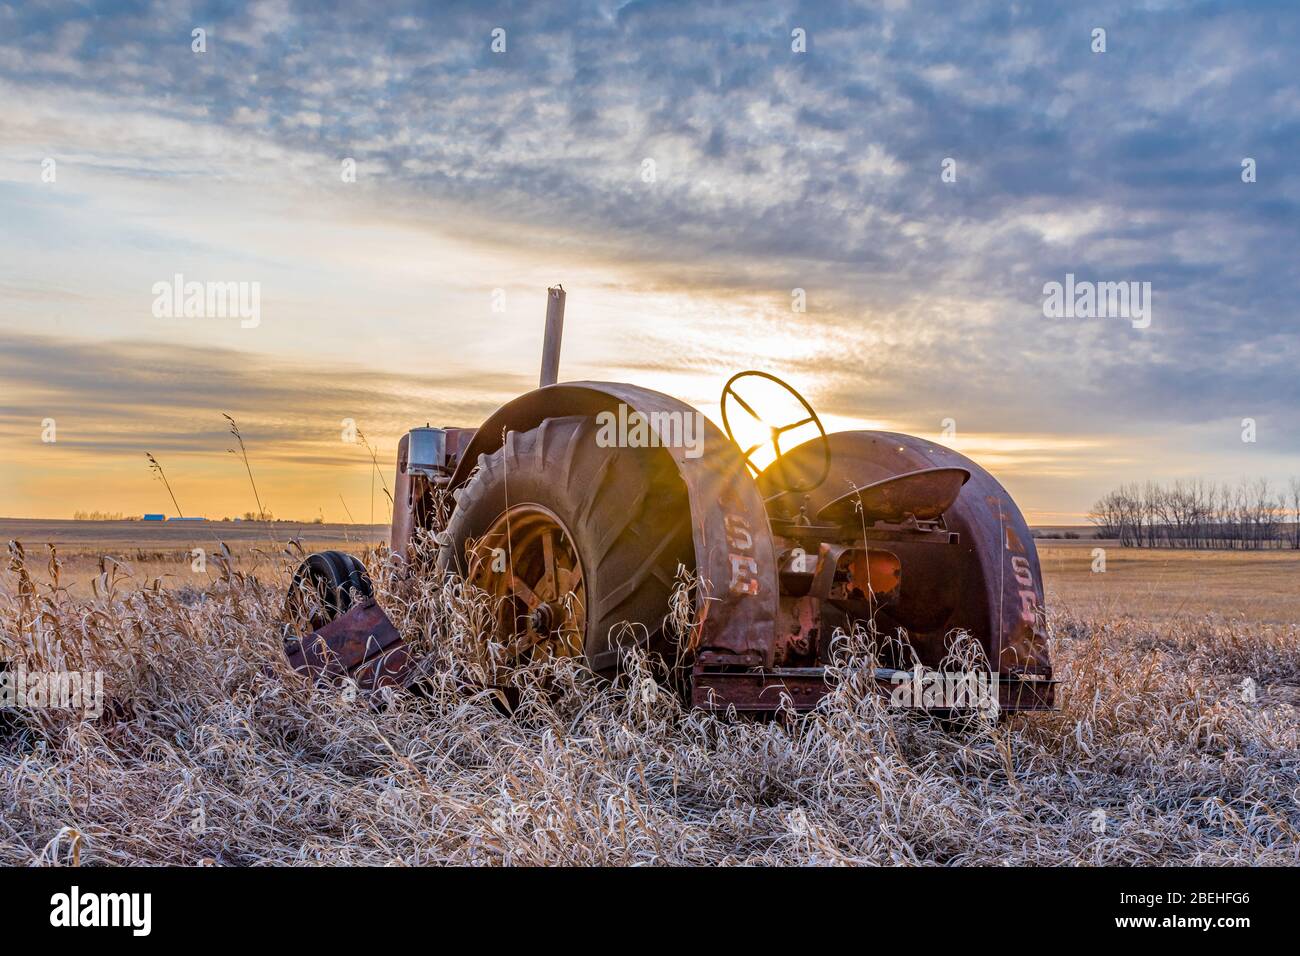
920	171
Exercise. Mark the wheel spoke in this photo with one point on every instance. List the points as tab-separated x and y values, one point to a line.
507	620
745	405
518	647
785	428
523	591
549	583
570	580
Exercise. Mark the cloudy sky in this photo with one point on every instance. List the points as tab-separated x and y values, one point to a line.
681	168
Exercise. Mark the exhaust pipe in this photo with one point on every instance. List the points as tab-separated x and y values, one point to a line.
554	332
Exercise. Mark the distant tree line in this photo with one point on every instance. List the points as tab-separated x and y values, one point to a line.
1200	514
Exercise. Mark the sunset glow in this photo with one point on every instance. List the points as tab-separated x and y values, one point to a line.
795	222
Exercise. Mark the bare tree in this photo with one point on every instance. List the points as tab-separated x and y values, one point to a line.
1295	513
1199	514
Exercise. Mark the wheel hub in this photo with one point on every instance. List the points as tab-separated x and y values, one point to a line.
541	620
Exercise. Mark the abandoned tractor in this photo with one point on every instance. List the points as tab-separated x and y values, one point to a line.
581	540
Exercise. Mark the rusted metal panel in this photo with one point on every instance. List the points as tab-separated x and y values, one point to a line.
758	690
362	644
735	557
1026	692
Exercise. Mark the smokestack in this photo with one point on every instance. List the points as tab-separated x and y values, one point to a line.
554	332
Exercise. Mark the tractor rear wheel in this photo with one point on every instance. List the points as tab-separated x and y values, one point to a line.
571	541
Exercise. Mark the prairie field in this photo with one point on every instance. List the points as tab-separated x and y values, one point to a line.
167	550
1261	587
1177	739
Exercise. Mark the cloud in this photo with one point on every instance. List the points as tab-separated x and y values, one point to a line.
113	401
772	170
125	397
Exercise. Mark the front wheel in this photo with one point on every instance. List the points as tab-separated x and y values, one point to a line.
324	587
577	546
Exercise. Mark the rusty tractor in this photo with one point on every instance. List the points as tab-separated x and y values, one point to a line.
582	543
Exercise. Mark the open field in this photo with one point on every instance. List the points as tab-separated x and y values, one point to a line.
164	550
127	536
1261	586
1166	585
1159	755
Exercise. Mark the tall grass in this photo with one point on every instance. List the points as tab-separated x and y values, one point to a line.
161	475
262	513
220	755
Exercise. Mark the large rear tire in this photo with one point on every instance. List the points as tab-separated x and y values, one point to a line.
572	541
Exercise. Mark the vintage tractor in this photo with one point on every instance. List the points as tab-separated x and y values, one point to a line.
580	508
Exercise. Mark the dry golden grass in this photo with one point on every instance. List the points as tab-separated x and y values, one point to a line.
226	757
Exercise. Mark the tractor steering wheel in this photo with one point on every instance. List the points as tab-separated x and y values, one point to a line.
729	392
